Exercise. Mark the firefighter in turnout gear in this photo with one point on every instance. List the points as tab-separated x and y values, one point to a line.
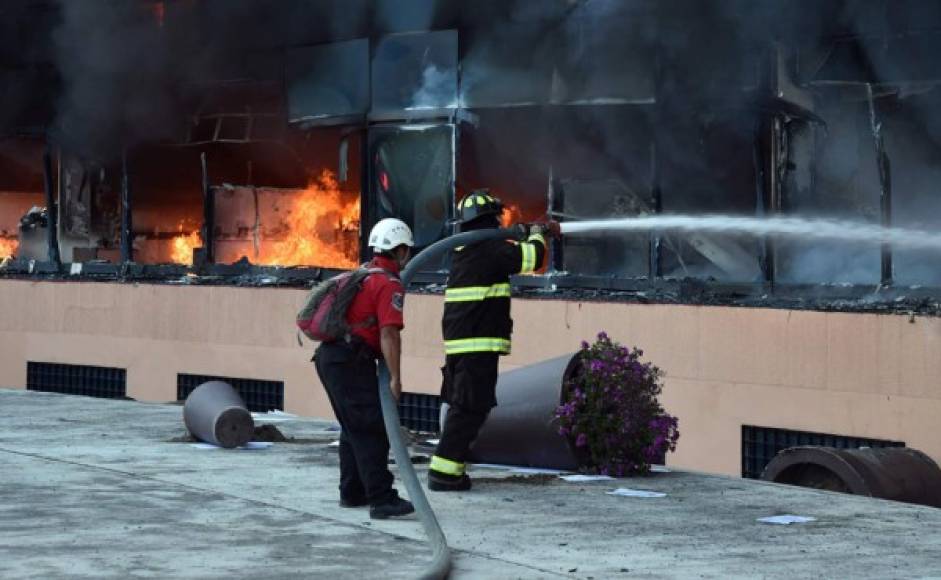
477	328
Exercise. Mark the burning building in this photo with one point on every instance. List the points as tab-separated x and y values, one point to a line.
175	173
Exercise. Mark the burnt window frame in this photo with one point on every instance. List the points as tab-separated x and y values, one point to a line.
696	290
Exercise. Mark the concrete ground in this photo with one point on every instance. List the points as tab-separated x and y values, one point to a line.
99	489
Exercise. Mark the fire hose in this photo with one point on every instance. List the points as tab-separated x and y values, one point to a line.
441	559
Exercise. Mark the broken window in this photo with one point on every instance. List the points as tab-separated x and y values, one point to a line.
845	187
507	152
414	75
412	174
22	200
912	124
508	64
328	81
296	205
707	166
166	203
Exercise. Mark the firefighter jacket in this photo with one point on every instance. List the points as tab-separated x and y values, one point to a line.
477	300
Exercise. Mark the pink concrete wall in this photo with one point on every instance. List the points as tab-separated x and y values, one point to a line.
850	374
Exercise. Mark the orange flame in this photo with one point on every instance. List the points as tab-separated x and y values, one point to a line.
183	246
322	228
159	10
511	215
8	247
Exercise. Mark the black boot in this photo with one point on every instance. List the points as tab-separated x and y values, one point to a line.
353	502
392	508
444	482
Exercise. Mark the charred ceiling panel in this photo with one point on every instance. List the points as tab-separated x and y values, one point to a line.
414	75
328	83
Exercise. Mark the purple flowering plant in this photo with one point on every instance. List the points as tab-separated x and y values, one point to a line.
610	412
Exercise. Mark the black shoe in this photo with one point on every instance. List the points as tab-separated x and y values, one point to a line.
353	503
391	509
444	482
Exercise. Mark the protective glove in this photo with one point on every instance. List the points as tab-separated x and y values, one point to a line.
550	229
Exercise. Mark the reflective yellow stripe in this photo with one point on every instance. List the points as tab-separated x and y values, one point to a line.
529	258
469	202
442	465
481	200
537	238
476	293
466	345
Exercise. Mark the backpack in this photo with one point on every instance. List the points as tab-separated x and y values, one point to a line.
323	317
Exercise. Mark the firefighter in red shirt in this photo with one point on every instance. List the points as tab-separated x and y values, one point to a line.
347	369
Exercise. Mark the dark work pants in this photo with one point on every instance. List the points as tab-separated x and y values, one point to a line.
349	377
469	388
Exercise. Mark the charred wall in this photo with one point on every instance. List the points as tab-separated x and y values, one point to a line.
574	109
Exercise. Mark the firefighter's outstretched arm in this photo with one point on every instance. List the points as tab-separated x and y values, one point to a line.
390	339
528	256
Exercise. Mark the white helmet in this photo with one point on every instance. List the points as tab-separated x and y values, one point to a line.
390	233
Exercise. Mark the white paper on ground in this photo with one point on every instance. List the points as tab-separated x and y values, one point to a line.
786	519
659	469
520	469
248	446
625	492
333	444
578	478
273	416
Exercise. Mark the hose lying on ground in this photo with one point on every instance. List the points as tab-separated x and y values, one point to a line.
441	561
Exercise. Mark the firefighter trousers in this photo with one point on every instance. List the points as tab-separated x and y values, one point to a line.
349	377
469	388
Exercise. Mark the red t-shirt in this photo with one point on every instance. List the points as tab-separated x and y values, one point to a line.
380	298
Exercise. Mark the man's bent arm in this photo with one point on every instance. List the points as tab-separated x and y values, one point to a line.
390	339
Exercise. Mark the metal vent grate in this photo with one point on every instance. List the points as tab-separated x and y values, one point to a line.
260	396
420	412
101	382
761	444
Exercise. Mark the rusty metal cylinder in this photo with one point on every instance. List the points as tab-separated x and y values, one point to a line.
215	413
521	429
895	473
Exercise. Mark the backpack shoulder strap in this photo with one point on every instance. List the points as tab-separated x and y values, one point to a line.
388	274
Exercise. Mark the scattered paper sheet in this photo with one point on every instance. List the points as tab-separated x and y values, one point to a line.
273	416
786	519
333	444
248	446
625	492
579	478
520	469
659	469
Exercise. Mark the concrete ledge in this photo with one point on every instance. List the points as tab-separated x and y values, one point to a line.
97	489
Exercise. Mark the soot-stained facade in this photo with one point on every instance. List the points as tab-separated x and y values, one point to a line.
254	142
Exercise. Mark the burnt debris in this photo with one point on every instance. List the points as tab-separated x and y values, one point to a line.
251	143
